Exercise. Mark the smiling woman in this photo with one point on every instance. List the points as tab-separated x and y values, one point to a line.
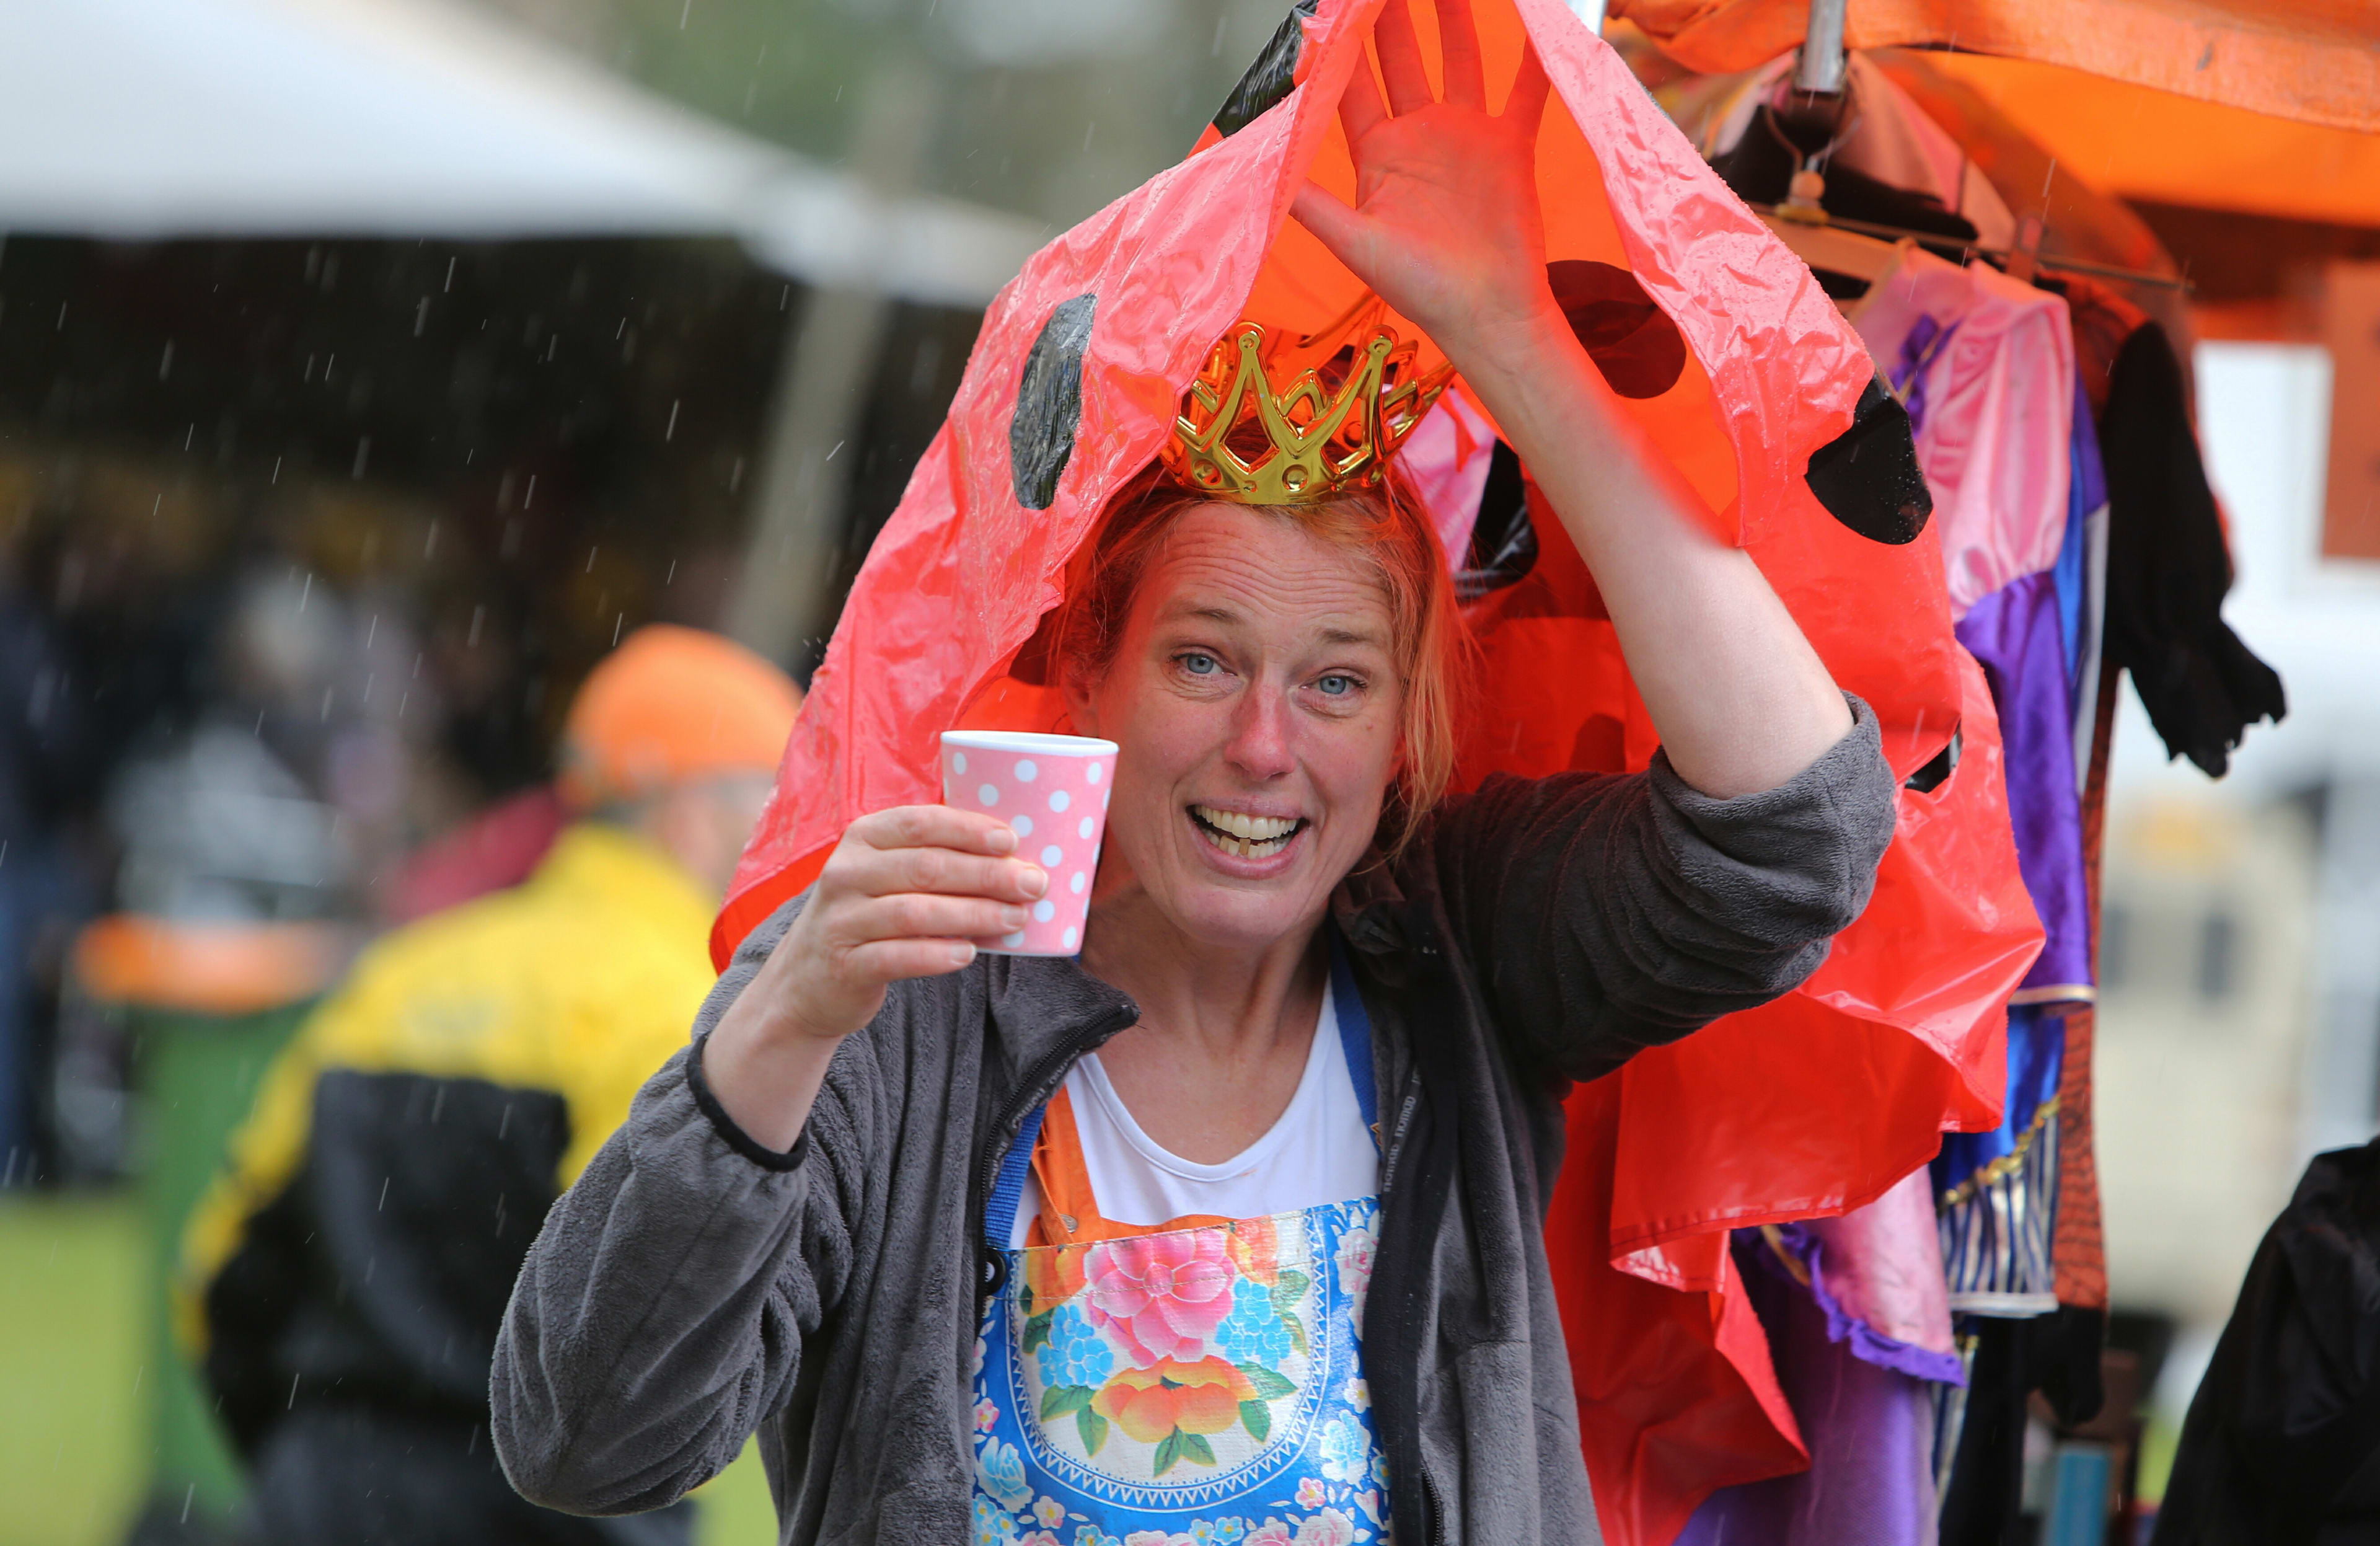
997	1248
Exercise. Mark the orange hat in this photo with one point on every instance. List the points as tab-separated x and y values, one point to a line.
673	703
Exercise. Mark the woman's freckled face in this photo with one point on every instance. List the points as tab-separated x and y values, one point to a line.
1256	699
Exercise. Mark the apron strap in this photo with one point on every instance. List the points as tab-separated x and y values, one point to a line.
1008	1191
1354	1034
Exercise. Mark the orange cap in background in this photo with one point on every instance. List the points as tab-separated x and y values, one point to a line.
673	703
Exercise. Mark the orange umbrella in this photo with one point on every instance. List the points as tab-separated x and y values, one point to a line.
2138	143
2317	61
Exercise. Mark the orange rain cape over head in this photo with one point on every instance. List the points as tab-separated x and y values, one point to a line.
1747	379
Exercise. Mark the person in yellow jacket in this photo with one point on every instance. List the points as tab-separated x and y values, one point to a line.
341	1282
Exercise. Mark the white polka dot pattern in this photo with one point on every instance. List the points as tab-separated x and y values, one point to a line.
1030	778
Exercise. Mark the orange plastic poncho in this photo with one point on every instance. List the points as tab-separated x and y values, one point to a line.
1809	1106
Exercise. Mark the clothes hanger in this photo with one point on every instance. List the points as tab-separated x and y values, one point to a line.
1865	250
1862	250
1820	242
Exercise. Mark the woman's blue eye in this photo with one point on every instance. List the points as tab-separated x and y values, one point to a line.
1199	665
1337	686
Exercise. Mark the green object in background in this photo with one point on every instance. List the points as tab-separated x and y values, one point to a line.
101	1416
735	1508
197	1076
74	1379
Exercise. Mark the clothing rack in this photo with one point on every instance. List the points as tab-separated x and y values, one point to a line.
1976	250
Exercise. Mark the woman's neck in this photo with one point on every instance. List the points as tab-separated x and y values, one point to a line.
1212	1019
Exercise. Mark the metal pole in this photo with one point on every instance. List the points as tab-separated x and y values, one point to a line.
782	594
1820	72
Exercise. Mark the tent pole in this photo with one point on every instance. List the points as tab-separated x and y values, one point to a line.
784	589
1819	70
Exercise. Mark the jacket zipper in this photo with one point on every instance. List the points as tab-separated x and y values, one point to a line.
1396	1145
1040	1083
1394	1149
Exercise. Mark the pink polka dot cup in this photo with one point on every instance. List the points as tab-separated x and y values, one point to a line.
1052	792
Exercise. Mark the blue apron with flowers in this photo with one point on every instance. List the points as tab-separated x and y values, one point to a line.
1198	1383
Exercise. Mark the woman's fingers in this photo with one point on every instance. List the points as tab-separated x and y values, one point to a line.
891	961
946	872
1530	88
1458	46
1360	105
1401	67
933	826
920	916
1337	227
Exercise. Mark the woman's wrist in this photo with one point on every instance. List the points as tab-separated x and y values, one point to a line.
764	1071
1535	379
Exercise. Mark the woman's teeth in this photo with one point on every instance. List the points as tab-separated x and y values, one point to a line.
1243	835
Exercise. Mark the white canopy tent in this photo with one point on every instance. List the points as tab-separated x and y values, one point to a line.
143	119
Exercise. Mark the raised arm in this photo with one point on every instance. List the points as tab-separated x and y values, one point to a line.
1447	229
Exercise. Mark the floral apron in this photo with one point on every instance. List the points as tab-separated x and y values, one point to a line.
1197	1383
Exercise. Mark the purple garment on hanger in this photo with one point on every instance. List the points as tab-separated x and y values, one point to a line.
2016	636
1870	1432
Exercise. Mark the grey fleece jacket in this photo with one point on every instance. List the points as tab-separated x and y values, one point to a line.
693	1287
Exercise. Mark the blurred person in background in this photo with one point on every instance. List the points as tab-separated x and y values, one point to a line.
45	752
343	1282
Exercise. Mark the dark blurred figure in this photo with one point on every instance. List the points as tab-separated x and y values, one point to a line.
344	1282
2282	1443
43	762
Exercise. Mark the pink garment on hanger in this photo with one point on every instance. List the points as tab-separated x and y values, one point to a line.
1883	1263
1986	365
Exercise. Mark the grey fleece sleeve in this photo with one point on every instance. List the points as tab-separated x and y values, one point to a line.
660	1316
1608	913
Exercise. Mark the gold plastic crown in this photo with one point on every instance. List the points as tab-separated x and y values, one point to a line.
1333	427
